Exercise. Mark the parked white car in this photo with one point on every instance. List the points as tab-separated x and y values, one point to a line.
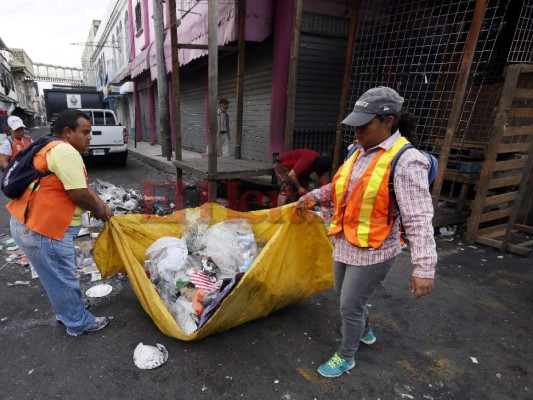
110	139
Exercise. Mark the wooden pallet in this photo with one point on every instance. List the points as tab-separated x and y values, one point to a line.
505	187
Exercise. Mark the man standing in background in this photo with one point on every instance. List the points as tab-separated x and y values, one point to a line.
223	136
15	142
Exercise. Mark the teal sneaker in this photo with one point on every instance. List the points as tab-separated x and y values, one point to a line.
367	338
336	366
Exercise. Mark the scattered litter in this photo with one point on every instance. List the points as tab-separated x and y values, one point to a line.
499	376
149	357
96	276
474	360
18	283
99	290
84	232
33	272
276	381
30	371
12	248
447	231
500	256
483	260
9	242
23	261
94	235
448	239
406	396
4	319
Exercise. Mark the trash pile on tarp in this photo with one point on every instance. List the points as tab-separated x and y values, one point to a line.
192	283
191	251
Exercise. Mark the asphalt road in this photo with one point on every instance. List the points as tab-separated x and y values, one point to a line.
482	308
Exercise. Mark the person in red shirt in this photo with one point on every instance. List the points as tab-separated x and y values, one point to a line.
293	169
14	143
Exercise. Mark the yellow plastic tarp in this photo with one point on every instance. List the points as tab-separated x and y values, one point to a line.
295	263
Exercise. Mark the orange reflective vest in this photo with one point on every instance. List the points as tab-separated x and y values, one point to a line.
17	145
363	217
51	209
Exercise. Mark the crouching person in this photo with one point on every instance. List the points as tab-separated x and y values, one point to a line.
46	219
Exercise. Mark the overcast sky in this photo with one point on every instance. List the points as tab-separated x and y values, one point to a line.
45	28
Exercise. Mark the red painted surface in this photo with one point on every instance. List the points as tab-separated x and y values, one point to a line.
283	15
138	127
151	109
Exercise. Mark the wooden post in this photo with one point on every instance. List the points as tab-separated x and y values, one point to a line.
162	83
212	97
176	92
512	73
356	6
240	76
293	73
458	98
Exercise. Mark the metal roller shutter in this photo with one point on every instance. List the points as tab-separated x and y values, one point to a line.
193	110
145	114
256	99
320	71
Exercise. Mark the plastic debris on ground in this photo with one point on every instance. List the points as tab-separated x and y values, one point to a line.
120	200
19	283
193	274
447	231
149	357
99	290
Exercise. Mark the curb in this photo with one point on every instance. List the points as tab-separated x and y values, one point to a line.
162	164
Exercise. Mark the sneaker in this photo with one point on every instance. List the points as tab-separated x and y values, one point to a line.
100	323
336	366
367	338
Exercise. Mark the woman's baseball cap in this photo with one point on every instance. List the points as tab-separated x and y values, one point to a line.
380	100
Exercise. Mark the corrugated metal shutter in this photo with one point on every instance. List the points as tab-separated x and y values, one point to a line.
320	71
145	114
256	99
192	106
257	96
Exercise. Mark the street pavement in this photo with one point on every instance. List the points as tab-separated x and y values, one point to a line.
470	339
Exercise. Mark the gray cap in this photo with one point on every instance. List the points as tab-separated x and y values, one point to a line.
380	100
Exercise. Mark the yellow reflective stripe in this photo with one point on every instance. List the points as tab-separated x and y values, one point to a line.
31	185
372	189
340	184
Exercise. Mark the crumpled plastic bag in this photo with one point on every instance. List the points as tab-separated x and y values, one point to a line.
167	257
230	244
195	225
149	357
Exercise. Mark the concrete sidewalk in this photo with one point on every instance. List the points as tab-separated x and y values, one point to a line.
152	155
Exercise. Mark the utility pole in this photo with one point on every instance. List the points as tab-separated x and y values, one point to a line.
212	85
162	83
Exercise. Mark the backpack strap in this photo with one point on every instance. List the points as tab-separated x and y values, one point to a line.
392	194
